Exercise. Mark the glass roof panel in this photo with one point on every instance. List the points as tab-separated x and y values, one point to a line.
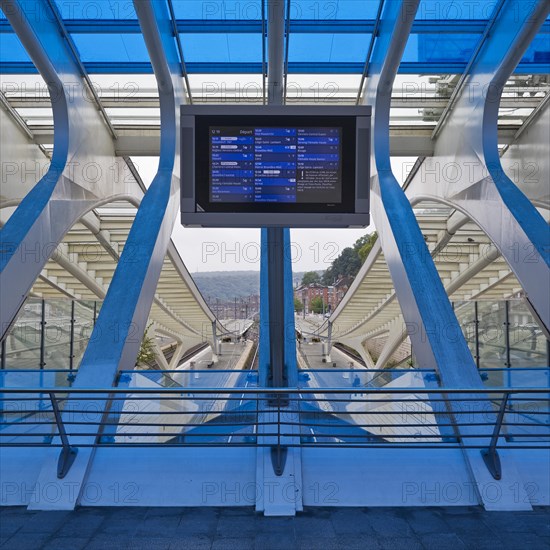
335	9
221	47
232	88
539	50
252	9
449	10
328	47
440	48
111	48
97	9
218	9
11	49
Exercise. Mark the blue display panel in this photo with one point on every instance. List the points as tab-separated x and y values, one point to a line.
275	164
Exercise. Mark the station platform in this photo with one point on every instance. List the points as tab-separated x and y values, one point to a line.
242	529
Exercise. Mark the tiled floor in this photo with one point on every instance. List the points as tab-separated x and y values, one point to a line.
242	528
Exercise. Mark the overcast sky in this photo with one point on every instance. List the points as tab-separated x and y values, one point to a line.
205	249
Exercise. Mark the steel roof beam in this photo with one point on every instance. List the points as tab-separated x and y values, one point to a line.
244	26
305	67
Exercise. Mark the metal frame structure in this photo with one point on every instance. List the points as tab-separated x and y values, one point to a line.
417	226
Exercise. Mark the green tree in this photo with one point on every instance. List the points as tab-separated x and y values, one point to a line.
316	305
347	264
146	353
298	306
366	246
310	277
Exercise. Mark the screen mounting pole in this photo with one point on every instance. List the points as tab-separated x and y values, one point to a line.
275	235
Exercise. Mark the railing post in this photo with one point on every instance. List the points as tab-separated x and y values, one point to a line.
42	335
71	342
3	355
278	453
215	339
476	325
507	332
490	455
68	453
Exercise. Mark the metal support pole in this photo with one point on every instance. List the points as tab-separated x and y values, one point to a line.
71	343
95	312
3	355
68	453
476	326
329	337
214	338
43	335
507	332
490	455
264	63
275	235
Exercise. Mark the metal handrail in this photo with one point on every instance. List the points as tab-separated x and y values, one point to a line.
480	390
461	429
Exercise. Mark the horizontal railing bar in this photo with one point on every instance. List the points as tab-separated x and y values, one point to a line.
266	398
336	445
275	391
265	394
326	370
284	411
185	371
274	423
283	434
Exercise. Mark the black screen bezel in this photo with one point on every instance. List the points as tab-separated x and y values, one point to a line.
202	162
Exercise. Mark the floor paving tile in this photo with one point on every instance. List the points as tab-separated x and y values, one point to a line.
461	528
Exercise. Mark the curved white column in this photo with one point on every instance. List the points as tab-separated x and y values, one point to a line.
116	338
83	170
466	170
431	323
433	328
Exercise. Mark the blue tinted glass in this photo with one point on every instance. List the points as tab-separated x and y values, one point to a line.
333	9
220	47
218	9
96	9
539	51
11	49
456	9
328	47
252	9
111	48
426	48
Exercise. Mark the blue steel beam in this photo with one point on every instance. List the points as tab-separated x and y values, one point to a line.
289	327
423	299
132	288
469	140
66	192
302	26
118	331
280	244
433	328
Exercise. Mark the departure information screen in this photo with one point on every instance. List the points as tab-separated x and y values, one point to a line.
275	164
